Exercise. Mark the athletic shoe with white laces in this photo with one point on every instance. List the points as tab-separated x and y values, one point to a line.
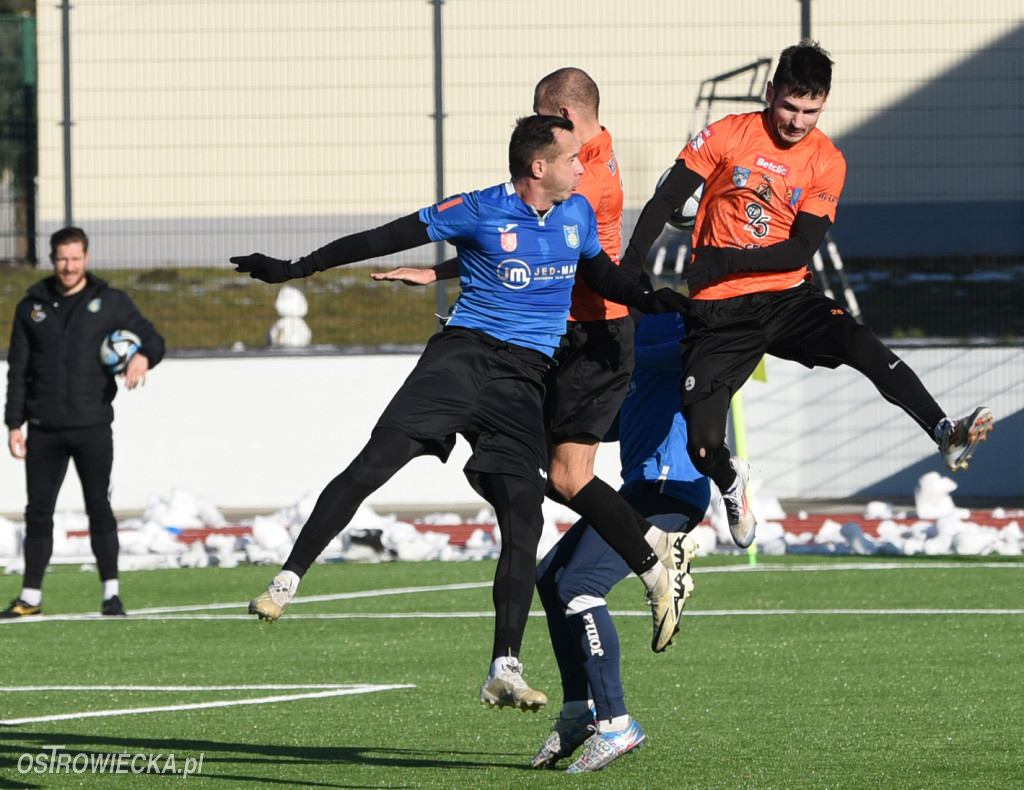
507	689
675	550
565	737
270	604
737	505
667	600
601	748
958	438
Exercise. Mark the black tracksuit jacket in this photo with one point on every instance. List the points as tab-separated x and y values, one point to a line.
54	376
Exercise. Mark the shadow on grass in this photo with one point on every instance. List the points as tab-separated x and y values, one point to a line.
232	762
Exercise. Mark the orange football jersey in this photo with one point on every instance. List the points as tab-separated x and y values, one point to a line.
601	185
753	190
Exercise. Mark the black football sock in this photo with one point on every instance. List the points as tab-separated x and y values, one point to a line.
616	522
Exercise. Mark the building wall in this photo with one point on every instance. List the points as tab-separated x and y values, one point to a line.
205	126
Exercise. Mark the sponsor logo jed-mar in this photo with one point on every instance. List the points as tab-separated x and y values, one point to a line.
516	274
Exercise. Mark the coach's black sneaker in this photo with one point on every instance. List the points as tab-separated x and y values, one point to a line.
19	608
112	607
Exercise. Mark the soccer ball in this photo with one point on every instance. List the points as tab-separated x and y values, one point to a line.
117	349
684	217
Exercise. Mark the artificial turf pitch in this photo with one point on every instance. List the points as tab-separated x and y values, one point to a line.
825	672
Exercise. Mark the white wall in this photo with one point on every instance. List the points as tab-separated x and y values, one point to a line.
261	433
254	433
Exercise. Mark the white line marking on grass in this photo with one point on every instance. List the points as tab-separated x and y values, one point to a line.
761	612
93	714
147	614
261	687
183	612
858	566
538	614
322	598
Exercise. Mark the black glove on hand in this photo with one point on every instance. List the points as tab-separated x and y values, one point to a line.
664	300
711	264
263	267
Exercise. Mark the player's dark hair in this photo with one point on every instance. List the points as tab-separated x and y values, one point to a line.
568	87
804	68
533	139
68	235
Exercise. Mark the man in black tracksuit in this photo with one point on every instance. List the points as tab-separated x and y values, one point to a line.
56	384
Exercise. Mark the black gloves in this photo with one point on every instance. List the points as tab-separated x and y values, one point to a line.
664	300
263	267
711	264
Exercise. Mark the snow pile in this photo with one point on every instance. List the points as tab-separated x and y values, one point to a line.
165	535
940	528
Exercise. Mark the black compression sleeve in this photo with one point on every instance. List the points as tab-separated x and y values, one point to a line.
610	281
680	183
403	233
807	234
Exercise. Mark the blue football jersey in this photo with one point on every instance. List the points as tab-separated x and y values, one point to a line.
516	267
652	431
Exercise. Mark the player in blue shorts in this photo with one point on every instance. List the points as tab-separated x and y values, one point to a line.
520	245
579	571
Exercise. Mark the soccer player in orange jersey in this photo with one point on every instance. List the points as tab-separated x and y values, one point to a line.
772	181
595	361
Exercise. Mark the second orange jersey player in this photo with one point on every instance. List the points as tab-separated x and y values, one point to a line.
772	181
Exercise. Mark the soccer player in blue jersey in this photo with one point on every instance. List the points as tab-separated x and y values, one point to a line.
594	360
520	245
579	571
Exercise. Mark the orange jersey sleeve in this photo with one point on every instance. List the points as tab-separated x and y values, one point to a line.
601	185
754	189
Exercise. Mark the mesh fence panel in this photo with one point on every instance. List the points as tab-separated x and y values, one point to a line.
208	129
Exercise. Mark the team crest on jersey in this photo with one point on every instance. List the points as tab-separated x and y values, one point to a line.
37	314
509	242
94	306
764	191
740	176
572	235
612	165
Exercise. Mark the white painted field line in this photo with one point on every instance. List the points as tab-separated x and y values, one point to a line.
482	615
322	598
249	687
169	612
93	714
818	612
857	566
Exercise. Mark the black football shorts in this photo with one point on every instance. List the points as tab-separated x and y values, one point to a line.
595	362
726	338
491	392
